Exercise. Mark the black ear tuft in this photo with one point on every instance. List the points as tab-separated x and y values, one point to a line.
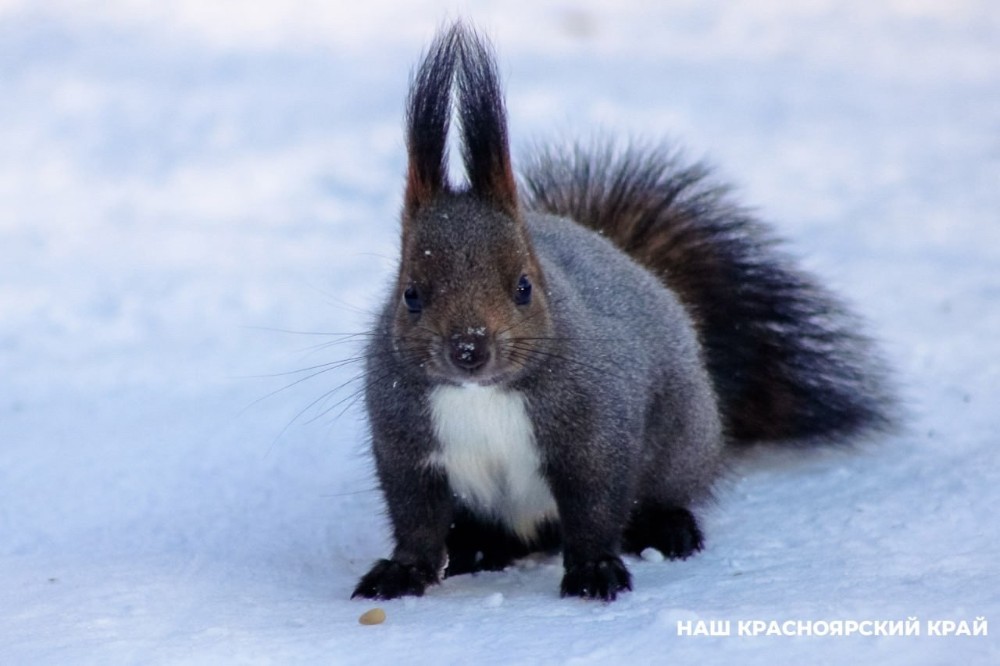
428	114
485	150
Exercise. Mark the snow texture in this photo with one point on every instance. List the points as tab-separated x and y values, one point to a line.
196	197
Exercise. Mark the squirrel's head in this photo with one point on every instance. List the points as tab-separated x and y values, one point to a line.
471	302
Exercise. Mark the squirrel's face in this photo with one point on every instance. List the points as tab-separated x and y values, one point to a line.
471	305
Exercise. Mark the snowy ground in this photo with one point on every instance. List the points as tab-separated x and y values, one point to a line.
182	184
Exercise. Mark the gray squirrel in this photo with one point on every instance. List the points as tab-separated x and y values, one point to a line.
564	364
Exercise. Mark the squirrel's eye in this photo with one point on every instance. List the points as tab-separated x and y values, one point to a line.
522	295
412	299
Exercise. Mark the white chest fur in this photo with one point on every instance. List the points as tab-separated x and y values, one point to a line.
489	453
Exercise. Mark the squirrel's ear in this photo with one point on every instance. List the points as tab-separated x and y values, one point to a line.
428	112
485	150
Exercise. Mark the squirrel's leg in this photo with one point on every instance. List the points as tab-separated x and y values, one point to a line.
464	546
592	501
672	530
420	508
477	545
590	555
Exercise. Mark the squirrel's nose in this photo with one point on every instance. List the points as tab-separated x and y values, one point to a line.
469	350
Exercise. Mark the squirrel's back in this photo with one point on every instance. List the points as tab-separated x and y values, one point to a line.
786	357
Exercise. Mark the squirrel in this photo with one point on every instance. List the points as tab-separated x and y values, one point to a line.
564	362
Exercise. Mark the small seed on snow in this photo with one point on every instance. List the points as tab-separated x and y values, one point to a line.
373	616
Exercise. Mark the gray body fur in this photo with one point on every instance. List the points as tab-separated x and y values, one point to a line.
633	360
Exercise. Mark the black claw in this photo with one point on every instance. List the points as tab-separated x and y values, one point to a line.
390	579
598	579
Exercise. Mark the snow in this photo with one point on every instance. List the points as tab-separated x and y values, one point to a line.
198	197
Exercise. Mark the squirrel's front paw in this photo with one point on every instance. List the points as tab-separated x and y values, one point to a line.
597	579
389	579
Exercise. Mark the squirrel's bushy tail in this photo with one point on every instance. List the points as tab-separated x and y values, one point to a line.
786	357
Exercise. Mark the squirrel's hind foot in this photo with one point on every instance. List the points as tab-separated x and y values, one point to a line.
672	530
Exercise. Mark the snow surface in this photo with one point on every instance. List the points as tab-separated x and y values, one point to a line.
198	196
